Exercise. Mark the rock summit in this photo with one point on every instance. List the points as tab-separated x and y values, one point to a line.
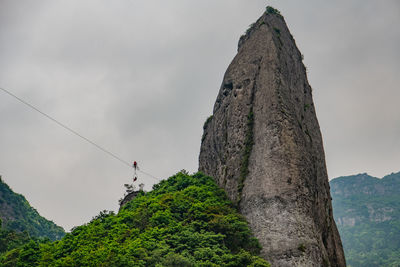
263	145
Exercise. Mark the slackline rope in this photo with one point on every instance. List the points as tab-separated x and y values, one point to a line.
75	132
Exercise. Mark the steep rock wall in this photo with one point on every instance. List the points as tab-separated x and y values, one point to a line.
264	147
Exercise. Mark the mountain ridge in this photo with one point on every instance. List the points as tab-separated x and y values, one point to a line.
367	213
357	181
17	214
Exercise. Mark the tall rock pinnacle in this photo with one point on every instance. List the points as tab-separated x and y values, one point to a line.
263	145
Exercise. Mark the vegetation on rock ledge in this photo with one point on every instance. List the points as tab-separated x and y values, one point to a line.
271	10
248	147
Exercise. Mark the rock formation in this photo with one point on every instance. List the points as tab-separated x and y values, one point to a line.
264	147
127	198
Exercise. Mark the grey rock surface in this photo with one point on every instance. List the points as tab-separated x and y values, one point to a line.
263	145
128	198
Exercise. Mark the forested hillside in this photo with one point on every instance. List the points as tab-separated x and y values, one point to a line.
16	214
367	213
184	221
10	239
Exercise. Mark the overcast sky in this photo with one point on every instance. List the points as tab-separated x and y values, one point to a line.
140	78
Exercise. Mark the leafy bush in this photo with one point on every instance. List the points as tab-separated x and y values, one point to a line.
271	10
207	122
10	239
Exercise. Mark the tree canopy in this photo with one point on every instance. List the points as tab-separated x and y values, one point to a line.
184	221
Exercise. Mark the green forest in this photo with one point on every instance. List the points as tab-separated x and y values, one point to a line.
187	220
184	221
10	239
367	213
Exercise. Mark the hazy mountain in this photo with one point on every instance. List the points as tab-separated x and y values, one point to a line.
367	213
17	214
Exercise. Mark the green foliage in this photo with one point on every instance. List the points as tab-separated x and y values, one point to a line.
277	31
268	10
248	146
271	10
184	221
10	239
249	28
367	213
302	247
18	215
207	122
372	244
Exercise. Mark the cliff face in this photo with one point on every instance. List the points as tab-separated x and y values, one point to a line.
264	147
365	200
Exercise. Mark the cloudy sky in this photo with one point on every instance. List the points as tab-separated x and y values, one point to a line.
140	77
